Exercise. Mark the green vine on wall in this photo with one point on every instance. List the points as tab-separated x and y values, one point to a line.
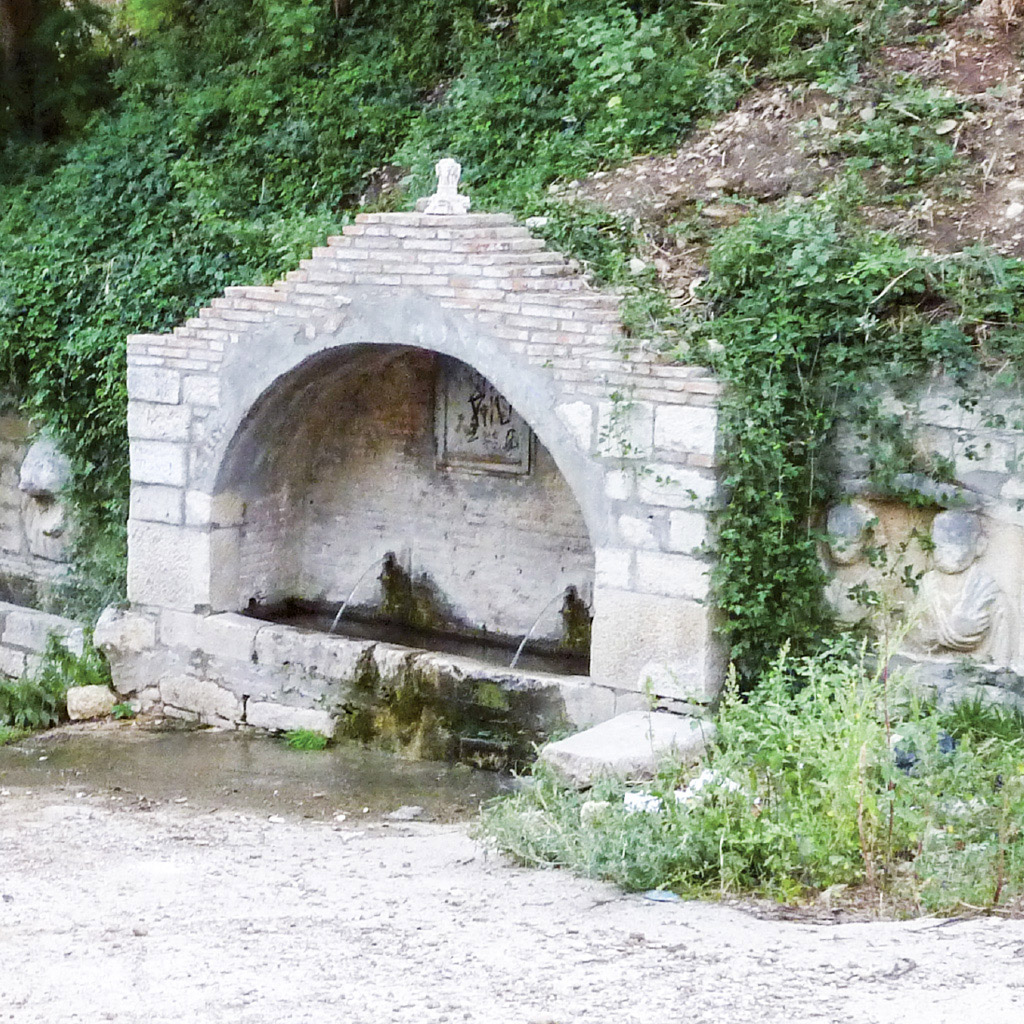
811	314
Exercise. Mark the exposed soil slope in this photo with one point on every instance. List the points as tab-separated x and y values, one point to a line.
782	140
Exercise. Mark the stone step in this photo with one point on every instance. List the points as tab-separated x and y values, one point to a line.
630	746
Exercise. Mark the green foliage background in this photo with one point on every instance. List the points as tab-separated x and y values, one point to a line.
185	146
813	316
234	134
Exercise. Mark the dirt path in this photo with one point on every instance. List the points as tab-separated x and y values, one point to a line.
173	914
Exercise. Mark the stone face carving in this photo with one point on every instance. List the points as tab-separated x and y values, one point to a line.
44	470
960	609
851	529
44	473
446	200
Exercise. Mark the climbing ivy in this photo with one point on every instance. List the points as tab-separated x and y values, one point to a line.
812	316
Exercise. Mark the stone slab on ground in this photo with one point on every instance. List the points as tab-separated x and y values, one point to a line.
90	702
630	746
282	718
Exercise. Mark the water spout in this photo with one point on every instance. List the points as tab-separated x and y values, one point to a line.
560	596
352	593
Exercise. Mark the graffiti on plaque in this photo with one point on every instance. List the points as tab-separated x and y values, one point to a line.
477	428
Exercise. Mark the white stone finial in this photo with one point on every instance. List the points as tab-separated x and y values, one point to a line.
446	199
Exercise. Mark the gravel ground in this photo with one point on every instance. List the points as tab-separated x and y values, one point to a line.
111	913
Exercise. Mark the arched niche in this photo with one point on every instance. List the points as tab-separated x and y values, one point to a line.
358	453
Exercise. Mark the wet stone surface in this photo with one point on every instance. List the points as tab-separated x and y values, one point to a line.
248	773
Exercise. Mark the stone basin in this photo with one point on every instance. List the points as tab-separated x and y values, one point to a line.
232	670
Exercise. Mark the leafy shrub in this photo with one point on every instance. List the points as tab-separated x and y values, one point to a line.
586	82
54	73
29	704
907	136
804	794
38	701
810	316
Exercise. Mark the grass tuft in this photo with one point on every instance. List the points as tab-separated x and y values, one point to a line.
305	739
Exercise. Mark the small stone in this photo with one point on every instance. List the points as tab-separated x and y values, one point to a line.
407	812
1014	210
637	266
945	127
90	702
592	811
830	124
629	746
867	113
717	211
716	183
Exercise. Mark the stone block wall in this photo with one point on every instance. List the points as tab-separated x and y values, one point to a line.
220	413
231	670
24	634
488	551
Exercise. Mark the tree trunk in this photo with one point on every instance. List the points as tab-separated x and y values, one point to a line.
16	22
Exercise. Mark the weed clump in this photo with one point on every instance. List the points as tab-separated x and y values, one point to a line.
38	701
305	739
825	778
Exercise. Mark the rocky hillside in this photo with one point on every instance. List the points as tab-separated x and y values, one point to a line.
933	125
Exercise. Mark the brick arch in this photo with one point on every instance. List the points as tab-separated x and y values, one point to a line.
276	364
480	289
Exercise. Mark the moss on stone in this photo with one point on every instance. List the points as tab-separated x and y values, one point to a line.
357	723
425	708
367	676
576	623
491	695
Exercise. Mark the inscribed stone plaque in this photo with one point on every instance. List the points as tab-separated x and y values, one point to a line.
477	428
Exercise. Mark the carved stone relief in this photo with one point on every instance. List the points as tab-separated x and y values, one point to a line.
477	428
960	609
43	475
853	529
966	587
